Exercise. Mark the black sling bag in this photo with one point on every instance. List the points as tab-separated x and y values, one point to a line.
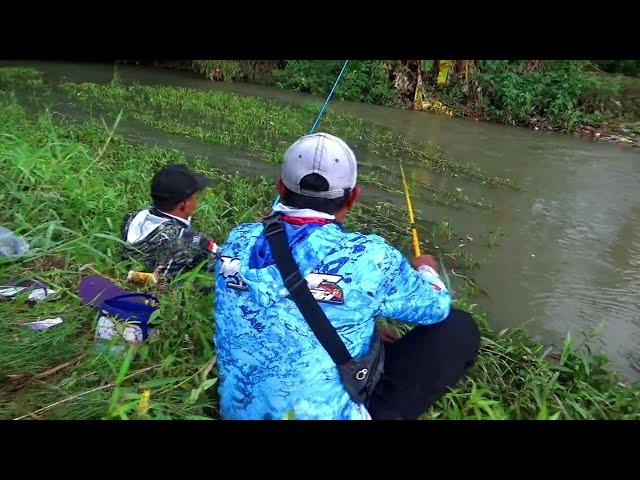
359	376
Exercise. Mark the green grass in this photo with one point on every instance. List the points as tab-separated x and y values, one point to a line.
19	76
66	187
266	128
516	378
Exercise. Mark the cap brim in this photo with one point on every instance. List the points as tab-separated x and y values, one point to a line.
202	181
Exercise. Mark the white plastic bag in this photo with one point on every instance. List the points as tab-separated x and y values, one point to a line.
11	244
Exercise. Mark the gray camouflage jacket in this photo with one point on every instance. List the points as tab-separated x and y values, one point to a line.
164	243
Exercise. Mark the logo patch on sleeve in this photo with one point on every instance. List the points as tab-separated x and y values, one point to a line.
324	287
230	271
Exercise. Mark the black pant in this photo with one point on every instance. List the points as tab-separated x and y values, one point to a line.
423	365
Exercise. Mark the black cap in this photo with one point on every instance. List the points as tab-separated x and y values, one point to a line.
175	183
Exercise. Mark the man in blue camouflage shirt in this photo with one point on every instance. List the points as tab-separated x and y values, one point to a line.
270	361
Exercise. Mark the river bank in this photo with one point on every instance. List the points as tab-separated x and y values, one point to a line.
67	185
568	96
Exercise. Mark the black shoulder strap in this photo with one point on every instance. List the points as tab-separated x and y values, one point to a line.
300	293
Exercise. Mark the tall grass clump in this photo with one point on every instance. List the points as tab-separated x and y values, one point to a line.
265	127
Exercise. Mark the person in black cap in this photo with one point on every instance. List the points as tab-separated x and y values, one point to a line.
161	236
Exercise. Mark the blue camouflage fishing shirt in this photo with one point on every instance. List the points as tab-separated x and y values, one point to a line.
269	360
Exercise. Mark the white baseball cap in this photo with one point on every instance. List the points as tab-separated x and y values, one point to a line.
325	155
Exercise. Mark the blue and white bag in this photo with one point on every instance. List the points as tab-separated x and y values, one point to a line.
122	317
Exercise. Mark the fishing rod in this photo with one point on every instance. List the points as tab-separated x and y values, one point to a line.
412	222
323	108
414	229
326	102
